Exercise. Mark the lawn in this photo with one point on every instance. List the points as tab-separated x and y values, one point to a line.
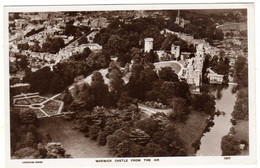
242	133
72	140
175	66
192	130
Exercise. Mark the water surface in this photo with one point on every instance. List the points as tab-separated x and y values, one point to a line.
211	141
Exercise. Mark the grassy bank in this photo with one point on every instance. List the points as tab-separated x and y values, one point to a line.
192	130
72	140
241	130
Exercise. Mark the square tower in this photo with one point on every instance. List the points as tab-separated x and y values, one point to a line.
148	44
175	50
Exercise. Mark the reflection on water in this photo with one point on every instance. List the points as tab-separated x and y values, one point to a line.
219	89
211	141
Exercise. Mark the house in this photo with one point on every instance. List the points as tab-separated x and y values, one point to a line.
180	21
215	78
91	36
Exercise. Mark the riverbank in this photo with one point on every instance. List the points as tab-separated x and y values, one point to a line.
241	132
211	141
192	130
72	140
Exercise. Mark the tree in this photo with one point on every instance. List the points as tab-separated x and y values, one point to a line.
219	35
230	146
30	140
180	109
167	74
23	63
27	153
240	111
149	125
168	90
116	81
68	99
57	83
83	40
53	45
94	132
82	56
101	139
28	116
154	150
115	45
154	95
169	140
99	89
151	57
83	96
241	71
23	46
175	89
40	80
98	60
115	139
169	40
124	101
208	105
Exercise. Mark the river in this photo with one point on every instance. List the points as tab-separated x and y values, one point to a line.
211	141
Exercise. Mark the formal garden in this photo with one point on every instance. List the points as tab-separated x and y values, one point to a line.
42	106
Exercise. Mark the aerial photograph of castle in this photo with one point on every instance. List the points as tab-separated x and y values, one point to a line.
128	83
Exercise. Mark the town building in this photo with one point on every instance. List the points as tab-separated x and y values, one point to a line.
91	36
215	78
180	21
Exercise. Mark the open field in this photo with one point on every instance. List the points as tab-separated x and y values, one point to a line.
72	140
192	129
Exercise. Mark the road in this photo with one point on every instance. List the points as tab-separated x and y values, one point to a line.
150	111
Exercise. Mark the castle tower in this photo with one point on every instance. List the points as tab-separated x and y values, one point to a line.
148	44
182	23
200	50
197	79
177	21
175	50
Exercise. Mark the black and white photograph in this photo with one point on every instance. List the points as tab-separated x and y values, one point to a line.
133	83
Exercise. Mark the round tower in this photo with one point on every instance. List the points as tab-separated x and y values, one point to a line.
148	44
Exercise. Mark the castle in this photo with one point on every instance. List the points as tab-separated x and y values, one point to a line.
192	66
